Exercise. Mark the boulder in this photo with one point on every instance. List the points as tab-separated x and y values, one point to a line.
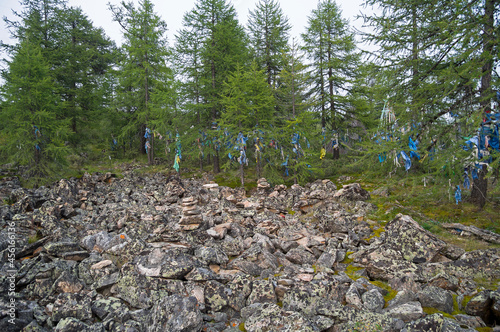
352	192
262	317
435	297
176	314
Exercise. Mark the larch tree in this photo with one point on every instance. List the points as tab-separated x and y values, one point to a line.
248	106
143	71
293	80
34	132
269	32
330	46
81	62
436	60
222	46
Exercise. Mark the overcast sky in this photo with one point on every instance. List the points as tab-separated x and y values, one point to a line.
172	11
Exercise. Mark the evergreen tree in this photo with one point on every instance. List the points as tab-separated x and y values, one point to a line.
437	60
79	58
81	62
248	106
331	48
293	80
223	46
34	132
269	33
143	72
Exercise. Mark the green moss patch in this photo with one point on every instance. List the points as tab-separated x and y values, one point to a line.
430	311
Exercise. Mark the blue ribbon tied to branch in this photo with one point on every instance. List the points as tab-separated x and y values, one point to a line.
406	159
458	195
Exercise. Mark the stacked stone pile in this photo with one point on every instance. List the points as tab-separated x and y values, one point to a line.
191	214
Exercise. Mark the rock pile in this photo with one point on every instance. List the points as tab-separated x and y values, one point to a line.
159	253
191	214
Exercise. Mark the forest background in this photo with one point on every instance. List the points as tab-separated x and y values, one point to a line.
419	110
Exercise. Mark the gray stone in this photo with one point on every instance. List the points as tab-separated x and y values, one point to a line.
71	324
72	305
262	292
480	305
270	317
408	311
431	323
373	300
435	297
176	314
211	255
300	256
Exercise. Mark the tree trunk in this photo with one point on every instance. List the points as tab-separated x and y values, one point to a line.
142	149
242	176
258	167
487	54
479	188
336	153
150	151
216	162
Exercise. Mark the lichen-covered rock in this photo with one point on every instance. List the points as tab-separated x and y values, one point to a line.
71	324
358	320
480	305
431	323
451	325
249	255
142	292
402	297
58	248
166	264
269	317
305	299
495	308
416	244
373	300
407	312
262	292
353	297
241	288
211	255
216	295
176	314
352	192
435	297
72	305
472	322
110	307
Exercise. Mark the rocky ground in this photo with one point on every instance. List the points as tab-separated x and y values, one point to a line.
159	253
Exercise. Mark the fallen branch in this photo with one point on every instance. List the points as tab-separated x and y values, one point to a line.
485	235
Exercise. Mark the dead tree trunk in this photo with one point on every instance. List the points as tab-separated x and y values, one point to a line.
479	188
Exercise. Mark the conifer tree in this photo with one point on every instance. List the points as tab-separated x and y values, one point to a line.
223	46
437	61
330	46
248	106
34	132
269	32
79	57
293	80
81	62
143	71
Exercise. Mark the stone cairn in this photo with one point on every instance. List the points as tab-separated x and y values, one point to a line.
191	214
263	186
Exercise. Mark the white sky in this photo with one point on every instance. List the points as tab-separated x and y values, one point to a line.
172	12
